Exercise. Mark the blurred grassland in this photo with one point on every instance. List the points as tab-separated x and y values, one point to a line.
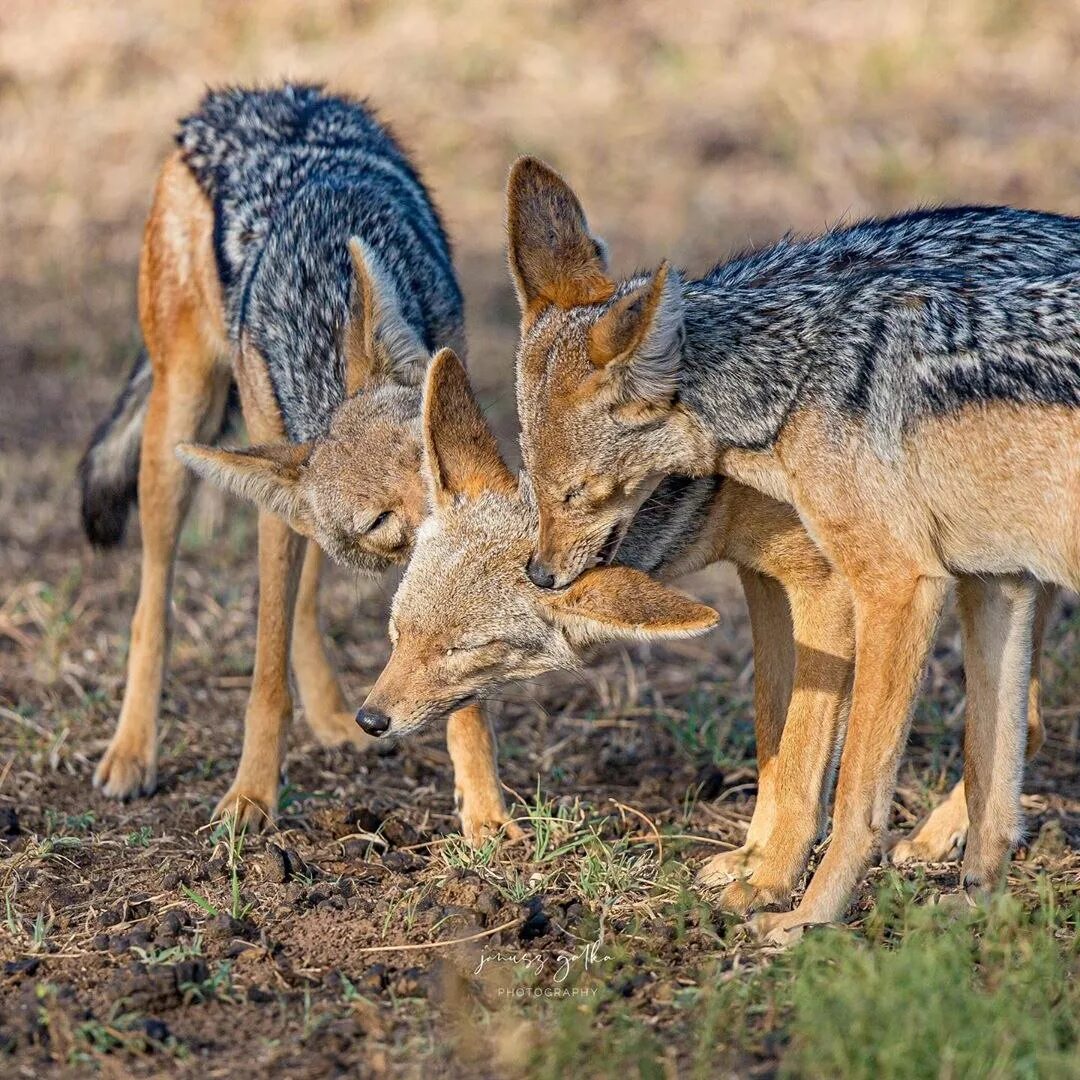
689	129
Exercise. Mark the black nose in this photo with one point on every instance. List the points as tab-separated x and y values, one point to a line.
373	723
539	574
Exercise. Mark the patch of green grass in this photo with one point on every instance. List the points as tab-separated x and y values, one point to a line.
924	991
202	902
141	837
173	955
57	824
216	987
715	728
988	993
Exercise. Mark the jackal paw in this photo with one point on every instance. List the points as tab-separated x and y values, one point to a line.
930	845
339	729
780	929
124	773
249	810
743	897
727	867
480	823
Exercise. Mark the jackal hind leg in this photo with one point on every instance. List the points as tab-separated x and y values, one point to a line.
943	834
181	320
997	614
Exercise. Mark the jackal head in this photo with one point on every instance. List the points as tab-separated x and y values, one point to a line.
466	619
357	490
597	378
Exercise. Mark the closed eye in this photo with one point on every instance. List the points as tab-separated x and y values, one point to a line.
382	519
574	494
458	650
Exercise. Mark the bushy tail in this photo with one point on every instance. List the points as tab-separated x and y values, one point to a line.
109	470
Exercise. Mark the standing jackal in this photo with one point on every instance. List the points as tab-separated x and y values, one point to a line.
292	248
911	387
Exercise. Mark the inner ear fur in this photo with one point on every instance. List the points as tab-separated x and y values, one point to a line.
637	343
379	345
553	257
269	476
461	453
618	602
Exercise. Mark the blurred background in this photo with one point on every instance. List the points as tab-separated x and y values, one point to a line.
689	129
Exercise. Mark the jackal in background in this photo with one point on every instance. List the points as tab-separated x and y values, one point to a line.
291	249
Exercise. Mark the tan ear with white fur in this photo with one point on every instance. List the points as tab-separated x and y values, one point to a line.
461	454
553	257
637	343
269	476
616	603
379	344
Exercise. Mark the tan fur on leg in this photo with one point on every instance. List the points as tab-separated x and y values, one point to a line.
774	662
180	313
824	648
894	624
997	615
252	798
941	836
329	717
477	793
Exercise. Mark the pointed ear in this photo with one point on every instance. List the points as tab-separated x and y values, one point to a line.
268	476
553	258
461	454
379	344
616	603
638	341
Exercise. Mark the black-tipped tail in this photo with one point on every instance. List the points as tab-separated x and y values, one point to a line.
109	470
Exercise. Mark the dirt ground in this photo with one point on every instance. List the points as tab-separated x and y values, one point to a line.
363	936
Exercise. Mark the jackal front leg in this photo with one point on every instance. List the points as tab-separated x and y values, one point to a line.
894	625
331	720
774	662
821	613
477	792
252	799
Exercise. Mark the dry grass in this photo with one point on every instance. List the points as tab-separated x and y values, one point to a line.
690	130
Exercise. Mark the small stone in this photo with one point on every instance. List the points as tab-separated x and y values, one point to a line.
276	864
487	902
217	866
364	819
26	966
9	821
155	1029
536	920
171	882
171	923
373	980
224	926
710	783
402	861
